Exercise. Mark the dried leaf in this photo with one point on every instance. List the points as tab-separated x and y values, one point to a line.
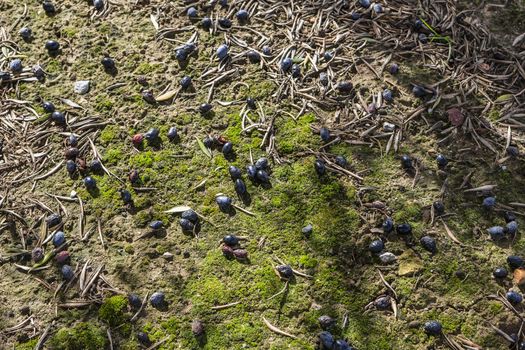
154	21
504	98
487	144
242	210
450	234
166	96
277	330
203	148
70	103
484	188
518	39
178	209
519	277
200	184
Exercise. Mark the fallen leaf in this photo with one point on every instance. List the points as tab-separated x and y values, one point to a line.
154	21
70	103
518	39
519	277
504	98
166	96
178	209
203	148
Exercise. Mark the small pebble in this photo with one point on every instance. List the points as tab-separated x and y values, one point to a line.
307	230
326	322
387	258
81	87
168	256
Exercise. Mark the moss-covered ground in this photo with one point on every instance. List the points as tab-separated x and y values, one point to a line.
449	286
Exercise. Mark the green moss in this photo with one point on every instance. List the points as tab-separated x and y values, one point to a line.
142	218
172	326
103	104
266	284
328	284
210	291
450	320
262	89
29	345
106	199
404	285
104	28
241	328
494	114
293	136
113	310
142	159
113	156
495	307
84	336
333	226
161	249
469	216
129	249
185	118
147	68
53	66
378	340
69	32
233	133
129	345
330	190
408	212
307	262
469	330
449	266
141	203
137	100
109	133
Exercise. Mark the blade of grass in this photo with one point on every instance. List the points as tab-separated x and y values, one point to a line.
203	148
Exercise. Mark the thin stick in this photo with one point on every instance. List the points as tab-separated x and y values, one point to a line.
277	330
92	280
42	339
386	283
110	339
220	307
99	229
142	306
81	219
450	234
243	210
157	344
280	292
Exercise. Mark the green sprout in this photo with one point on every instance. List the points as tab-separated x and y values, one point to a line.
438	36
